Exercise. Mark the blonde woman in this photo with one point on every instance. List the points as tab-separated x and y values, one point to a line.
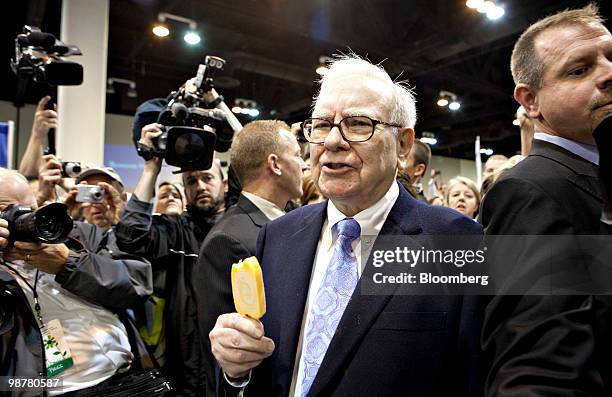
463	195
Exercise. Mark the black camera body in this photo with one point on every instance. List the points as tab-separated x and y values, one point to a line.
191	124
50	224
39	56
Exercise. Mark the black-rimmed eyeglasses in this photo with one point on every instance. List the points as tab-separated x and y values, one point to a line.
352	128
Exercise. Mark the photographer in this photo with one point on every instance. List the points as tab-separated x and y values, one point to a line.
77	293
172	243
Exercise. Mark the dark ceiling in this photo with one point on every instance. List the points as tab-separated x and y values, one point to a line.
272	48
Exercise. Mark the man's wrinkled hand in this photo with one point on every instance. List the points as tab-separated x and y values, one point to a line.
114	202
49	258
238	344
4	233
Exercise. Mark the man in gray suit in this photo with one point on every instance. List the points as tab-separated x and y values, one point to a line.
266	158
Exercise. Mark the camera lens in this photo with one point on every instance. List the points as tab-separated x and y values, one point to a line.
189	147
48	228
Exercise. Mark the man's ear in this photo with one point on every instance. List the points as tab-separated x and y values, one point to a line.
528	98
419	169
405	140
225	185
272	164
124	197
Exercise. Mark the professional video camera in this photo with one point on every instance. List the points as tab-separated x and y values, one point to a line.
193	128
49	224
39	56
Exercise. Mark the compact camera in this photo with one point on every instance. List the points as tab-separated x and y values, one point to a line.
89	194
71	169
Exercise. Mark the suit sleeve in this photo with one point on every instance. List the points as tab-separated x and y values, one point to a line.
541	345
213	287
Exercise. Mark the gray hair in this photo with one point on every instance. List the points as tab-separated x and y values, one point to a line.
403	111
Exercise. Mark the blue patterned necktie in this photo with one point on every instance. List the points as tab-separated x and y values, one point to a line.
332	297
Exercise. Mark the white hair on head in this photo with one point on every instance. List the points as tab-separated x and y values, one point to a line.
404	107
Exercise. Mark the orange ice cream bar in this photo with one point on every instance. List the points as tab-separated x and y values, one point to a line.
248	288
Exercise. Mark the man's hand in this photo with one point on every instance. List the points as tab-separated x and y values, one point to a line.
238	344
114	202
44	119
49	258
49	175
74	208
4	233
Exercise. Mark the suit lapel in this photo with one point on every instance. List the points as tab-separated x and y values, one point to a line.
258	217
289	299
362	310
584	173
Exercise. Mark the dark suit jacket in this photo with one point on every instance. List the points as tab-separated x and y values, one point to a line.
233	238
547	345
385	345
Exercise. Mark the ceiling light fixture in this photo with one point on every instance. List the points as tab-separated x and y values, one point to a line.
192	38
161	29
454	105
495	12
428	138
112	81
447	98
488	7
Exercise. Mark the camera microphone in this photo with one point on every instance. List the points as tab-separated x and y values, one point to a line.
179	111
37	39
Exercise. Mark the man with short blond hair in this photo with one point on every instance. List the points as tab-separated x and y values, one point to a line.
268	162
553	345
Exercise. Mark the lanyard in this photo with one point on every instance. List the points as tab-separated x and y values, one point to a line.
34	293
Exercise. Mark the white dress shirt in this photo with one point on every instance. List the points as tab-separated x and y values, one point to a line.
97	339
270	210
587	152
371	221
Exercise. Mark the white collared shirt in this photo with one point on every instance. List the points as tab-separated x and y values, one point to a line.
371	221
269	209
587	152
96	337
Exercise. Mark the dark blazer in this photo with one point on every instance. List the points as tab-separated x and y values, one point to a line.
233	238
385	345
547	345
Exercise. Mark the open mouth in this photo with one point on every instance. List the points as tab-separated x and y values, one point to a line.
336	166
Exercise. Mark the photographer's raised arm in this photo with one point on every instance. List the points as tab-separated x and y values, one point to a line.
145	188
44	120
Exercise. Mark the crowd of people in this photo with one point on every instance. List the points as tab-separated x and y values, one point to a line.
138	298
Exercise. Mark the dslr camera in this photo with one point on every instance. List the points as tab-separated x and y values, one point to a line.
89	194
193	129
49	224
39	56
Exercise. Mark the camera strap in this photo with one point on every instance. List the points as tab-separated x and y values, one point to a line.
57	353
33	288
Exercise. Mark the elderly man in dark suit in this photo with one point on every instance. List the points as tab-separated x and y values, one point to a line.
267	160
554	345
321	335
